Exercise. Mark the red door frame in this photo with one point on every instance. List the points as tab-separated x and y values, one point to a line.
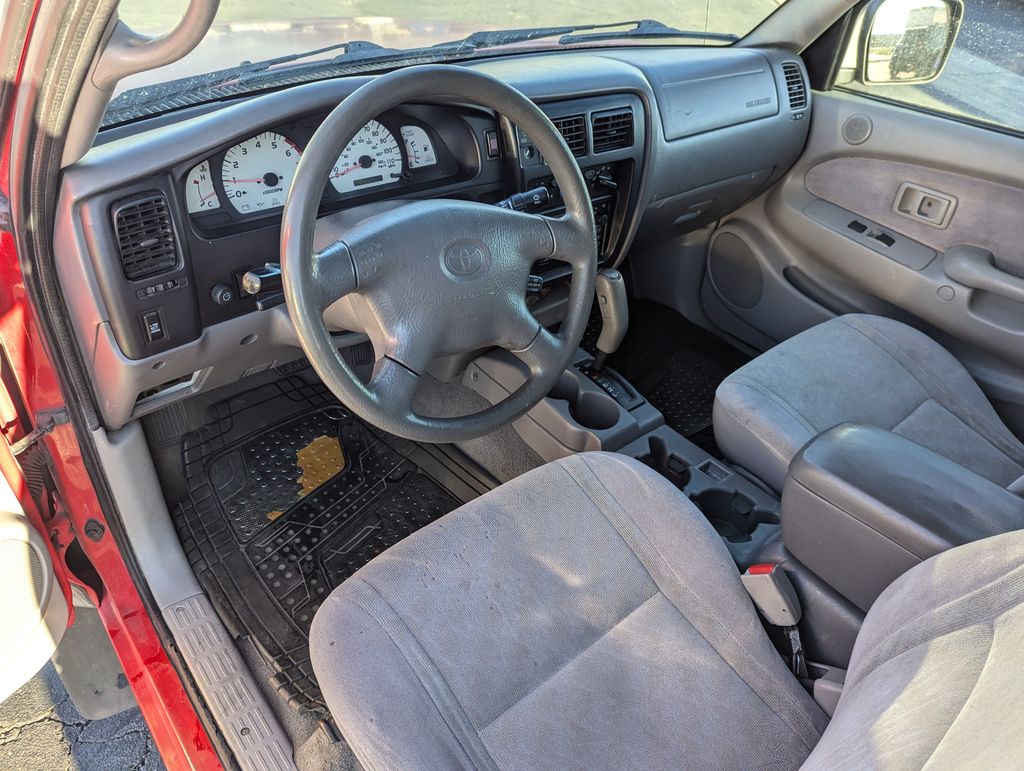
177	731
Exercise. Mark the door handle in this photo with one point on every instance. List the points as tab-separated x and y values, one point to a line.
924	205
976	268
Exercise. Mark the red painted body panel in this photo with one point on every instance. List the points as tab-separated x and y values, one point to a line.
177	731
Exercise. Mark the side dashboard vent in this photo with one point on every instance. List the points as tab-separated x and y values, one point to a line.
796	89
613	130
574	131
145	237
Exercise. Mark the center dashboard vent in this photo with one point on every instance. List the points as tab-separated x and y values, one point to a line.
613	130
145	237
796	89
573	129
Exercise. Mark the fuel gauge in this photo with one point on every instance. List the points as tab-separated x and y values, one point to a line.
418	147
200	194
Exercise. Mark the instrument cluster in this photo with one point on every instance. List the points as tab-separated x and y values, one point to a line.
395	153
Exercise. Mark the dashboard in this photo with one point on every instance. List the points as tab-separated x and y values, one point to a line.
160	223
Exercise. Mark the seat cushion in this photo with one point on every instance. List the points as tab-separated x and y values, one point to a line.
584	615
860	369
937	674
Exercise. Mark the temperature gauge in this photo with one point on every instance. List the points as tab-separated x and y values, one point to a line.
418	147
200	195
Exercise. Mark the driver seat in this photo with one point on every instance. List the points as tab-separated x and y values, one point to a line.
586	615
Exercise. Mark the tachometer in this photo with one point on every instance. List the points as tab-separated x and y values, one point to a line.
371	158
200	194
257	172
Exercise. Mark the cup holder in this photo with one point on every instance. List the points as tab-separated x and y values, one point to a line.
733	514
675	469
589	409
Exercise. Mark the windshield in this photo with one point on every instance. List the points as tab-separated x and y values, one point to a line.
259	33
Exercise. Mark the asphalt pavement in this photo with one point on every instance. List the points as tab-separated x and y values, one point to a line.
41	730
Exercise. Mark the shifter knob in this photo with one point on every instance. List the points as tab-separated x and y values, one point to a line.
611	299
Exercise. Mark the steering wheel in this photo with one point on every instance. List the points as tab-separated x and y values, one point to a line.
434	278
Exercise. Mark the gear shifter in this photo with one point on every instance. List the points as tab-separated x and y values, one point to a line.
611	299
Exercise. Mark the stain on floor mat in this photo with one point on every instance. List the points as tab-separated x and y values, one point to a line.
289	495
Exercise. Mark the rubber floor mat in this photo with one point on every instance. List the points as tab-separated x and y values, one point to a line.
675	365
289	495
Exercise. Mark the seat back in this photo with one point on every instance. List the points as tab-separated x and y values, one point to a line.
937	674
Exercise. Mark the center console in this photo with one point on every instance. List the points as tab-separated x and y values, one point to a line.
583	414
862	505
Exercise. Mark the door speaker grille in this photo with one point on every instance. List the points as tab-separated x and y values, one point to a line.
24	585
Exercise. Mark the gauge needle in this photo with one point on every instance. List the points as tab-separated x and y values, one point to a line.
347	170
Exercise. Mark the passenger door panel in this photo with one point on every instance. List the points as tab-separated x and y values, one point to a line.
870	159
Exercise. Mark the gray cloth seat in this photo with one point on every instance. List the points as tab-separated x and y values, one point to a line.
861	369
586	615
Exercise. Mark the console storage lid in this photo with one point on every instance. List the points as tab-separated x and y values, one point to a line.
862	505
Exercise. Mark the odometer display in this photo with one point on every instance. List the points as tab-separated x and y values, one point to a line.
256	173
371	158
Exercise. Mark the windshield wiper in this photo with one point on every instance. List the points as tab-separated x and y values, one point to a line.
349	47
232	81
581	33
648	28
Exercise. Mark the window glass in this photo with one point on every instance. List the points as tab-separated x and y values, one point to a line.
983	78
251	30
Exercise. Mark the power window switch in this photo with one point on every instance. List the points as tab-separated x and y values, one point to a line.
153	329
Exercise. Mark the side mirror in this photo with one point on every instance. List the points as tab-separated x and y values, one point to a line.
907	41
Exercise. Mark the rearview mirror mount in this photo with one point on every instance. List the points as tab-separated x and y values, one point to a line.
907	41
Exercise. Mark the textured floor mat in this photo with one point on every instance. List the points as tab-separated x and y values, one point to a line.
289	495
676	365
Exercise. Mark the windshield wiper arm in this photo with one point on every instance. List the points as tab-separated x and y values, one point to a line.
347	48
646	28
581	33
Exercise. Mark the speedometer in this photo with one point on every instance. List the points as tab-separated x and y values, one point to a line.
257	172
372	158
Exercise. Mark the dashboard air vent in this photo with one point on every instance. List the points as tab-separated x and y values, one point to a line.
145	237
573	129
613	130
795	86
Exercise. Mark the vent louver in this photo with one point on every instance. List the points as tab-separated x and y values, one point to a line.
574	131
613	130
145	237
796	89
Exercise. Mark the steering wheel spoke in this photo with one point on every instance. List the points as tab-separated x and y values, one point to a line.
543	354
574	241
392	387
334	273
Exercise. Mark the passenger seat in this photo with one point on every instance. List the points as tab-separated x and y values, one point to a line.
868	370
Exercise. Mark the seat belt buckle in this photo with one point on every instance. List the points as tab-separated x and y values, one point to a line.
773	594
